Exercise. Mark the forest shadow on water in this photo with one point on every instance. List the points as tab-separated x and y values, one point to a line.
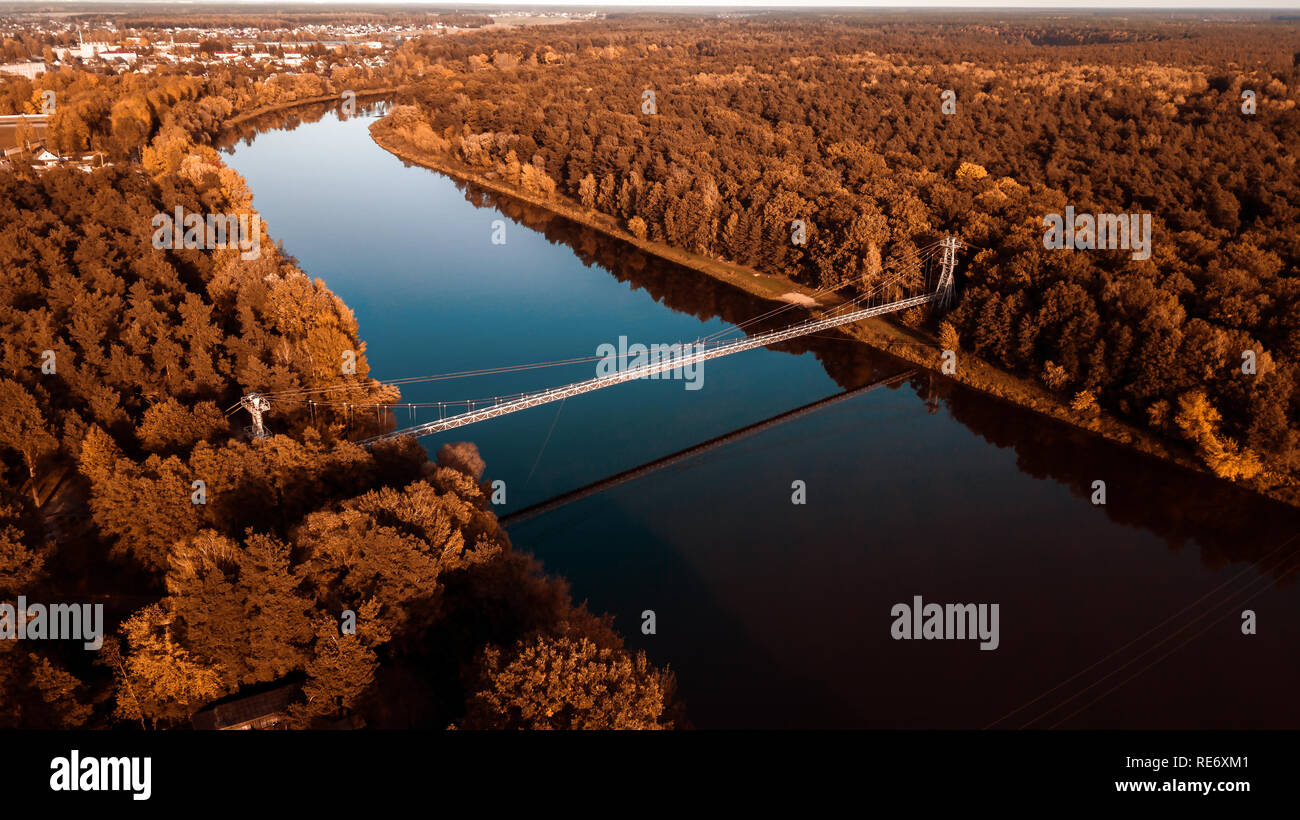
1183	509
778	615
244	132
1229	524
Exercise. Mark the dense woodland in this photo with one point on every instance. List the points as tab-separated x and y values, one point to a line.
119	365
838	121
759	121
127	115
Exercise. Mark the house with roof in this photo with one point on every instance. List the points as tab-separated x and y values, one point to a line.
45	159
266	709
263	710
90	162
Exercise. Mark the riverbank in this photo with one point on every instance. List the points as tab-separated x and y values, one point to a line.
363	95
914	346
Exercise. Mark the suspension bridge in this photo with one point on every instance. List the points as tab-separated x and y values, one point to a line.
888	296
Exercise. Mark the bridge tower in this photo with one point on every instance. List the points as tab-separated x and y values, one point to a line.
948	269
256	405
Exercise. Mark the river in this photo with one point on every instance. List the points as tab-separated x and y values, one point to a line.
1127	614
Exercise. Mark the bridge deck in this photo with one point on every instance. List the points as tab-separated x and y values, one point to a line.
547	396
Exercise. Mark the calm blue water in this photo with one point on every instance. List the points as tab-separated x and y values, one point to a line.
772	613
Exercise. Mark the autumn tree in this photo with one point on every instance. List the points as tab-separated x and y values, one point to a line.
158	680
342	666
23	428
567	683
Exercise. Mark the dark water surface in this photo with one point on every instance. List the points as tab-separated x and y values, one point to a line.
774	614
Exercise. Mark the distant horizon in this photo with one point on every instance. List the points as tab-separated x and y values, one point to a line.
963	5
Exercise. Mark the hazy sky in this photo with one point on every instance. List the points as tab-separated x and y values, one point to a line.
1226	5
1086	5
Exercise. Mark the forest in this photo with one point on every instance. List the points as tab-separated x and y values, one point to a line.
839	121
121	363
376	582
130	115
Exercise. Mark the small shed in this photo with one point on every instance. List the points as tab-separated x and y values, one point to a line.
264	710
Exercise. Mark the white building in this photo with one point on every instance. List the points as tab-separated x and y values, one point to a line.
46	159
29	70
89	50
84	51
116	56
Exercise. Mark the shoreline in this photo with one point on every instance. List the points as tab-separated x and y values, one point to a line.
913	346
244	117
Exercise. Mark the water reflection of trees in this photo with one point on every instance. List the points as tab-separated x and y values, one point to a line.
1179	505
288	119
686	291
